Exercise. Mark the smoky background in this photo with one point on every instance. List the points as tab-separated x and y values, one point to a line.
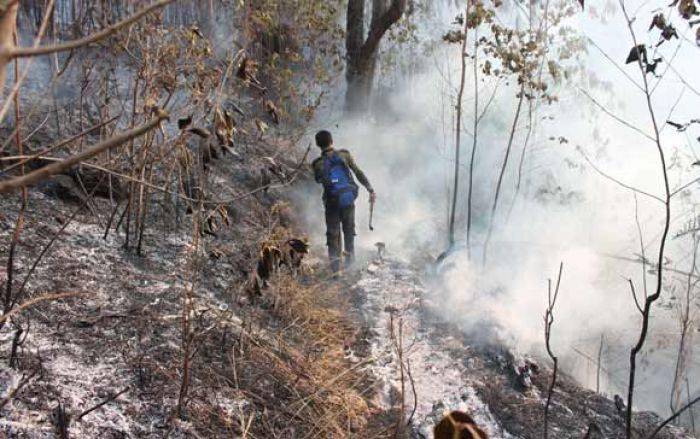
568	208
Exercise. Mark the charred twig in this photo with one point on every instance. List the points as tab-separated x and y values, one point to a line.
599	365
61	420
187	334
55	236
413	389
110	221
15	344
31	302
102	403
672	418
397	341
288	182
22	382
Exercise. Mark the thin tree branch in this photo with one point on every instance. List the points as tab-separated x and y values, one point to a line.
617	66
614	180
102	403
56	168
672	418
23	52
43	298
614	116
634	296
58	145
642	247
548	322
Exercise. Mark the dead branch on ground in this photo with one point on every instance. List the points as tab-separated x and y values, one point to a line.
43	298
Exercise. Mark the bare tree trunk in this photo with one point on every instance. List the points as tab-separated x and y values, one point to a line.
458	132
362	53
472	159
353	44
502	173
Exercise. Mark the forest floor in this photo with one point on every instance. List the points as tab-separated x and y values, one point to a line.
365	356
110	362
428	365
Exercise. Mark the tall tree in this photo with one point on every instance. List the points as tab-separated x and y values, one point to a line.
362	52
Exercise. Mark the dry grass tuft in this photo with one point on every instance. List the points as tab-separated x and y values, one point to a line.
286	363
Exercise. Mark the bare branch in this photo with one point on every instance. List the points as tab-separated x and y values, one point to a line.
548	322
614	116
634	296
675	415
23	52
613	179
642	247
646	314
31	302
56	168
102	403
617	66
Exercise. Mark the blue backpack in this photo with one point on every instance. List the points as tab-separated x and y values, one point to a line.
340	188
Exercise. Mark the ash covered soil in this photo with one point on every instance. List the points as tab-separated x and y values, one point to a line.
310	357
109	361
442	370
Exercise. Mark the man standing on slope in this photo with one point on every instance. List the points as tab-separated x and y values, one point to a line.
332	170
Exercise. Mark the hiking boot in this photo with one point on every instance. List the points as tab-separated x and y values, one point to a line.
349	260
335	266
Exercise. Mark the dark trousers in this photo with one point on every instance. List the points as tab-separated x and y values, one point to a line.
335	218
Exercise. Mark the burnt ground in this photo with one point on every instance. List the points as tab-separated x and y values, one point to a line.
449	370
306	357
109	362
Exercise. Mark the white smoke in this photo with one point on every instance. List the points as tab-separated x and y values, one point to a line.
565	212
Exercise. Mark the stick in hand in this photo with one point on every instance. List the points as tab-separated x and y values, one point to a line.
372	199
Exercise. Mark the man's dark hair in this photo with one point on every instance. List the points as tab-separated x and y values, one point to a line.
324	139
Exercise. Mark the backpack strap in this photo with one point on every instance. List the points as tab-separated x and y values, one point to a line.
327	169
